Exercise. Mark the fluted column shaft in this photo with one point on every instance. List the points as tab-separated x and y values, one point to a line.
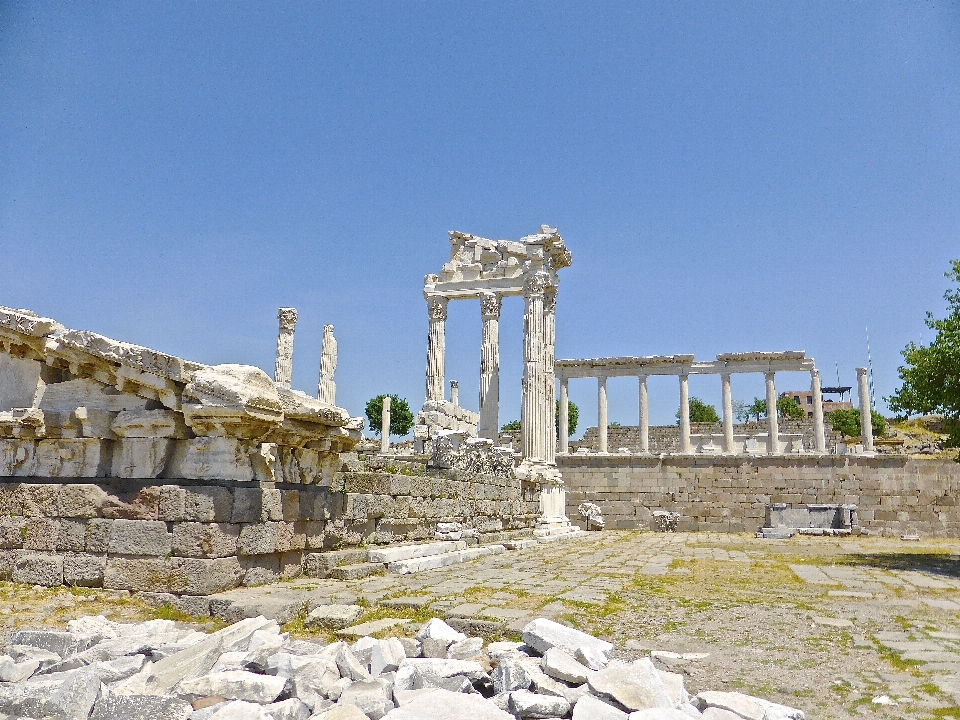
535	417
564	420
436	347
602	413
549	397
818	433
866	419
684	416
644	416
727	414
490	367
773	425
283	369
326	387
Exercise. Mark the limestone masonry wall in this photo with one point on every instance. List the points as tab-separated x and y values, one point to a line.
894	495
192	538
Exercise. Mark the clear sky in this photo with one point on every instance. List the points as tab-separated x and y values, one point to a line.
728	176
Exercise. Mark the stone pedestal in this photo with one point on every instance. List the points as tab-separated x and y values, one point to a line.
553	505
283	369
773	426
490	366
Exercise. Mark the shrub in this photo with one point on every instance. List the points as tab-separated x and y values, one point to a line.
847	422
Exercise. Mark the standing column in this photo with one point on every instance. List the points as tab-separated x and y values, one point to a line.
866	419
564	420
436	347
455	393
818	435
283	370
644	417
728	447
602	413
327	388
549	371
536	431
490	366
385	426
773	426
685	447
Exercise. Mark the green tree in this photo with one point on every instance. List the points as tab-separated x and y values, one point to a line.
401	419
787	407
757	409
700	412
573	417
847	422
740	411
931	375
511	427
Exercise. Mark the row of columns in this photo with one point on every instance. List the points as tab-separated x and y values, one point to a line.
773	425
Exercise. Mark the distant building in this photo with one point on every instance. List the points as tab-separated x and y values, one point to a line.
804	399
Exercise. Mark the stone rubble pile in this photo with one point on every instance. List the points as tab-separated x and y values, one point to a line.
98	669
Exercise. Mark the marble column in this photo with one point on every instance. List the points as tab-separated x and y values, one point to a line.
327	388
385	426
564	420
685	446
818	435
283	370
602	413
436	347
866	419
644	417
728	447
549	372
534	418
455	393
773	425
490	367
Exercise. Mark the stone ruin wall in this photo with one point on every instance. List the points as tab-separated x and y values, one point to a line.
666	438
126	468
894	495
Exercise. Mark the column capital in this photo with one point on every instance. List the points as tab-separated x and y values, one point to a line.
287	318
536	284
769	374
815	373
862	371
437	308
490	304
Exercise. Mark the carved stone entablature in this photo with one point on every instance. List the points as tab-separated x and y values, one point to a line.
450	449
77	404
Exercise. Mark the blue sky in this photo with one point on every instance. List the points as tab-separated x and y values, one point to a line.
728	176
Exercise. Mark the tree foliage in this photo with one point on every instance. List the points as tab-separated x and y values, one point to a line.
787	407
700	412
757	409
511	427
740	411
573	417
401	419
847	422
931	373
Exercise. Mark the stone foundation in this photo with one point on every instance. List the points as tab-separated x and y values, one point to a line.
191	538
894	495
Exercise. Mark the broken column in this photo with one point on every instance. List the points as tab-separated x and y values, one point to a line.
283	370
818	434
385	426
436	347
490	366
327	388
773	426
866	419
602	414
455	393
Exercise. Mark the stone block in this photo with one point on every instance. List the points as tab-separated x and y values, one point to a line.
39	500
83	569
291	565
35	568
260	569
80	500
12	531
9	499
72	536
139	504
201	576
210	458
205	540
41	534
258	539
290	505
71	458
138	574
135	457
98	535
8	562
139	537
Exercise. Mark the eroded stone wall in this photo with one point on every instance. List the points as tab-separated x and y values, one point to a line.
894	495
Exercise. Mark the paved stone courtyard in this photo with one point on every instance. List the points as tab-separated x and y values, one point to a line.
837	627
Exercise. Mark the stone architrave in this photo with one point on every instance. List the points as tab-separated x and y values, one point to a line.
287	318
490	304
385	426
818	434
327	388
436	347
866	419
773	425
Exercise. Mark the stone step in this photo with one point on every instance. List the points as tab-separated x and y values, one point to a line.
574	534
357	571
407	552
431	562
557	530
320	564
521	544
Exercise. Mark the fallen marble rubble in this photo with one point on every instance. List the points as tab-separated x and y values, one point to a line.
97	669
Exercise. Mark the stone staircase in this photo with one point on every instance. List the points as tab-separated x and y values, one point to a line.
406	559
350	564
